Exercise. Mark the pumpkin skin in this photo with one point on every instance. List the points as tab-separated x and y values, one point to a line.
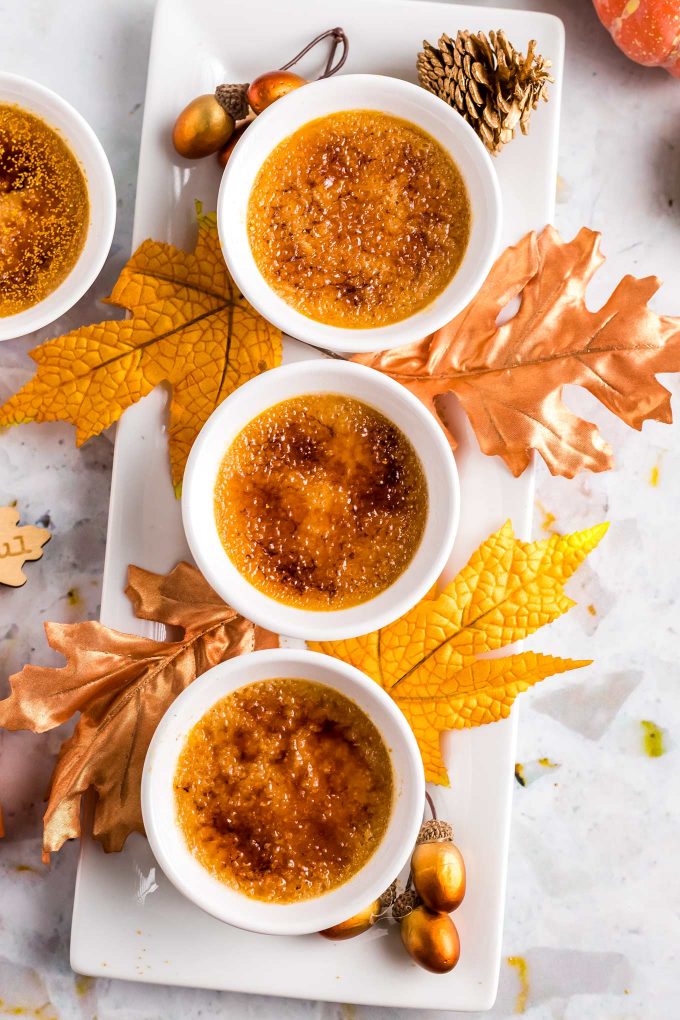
647	31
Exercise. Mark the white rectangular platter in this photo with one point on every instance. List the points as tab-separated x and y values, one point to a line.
128	921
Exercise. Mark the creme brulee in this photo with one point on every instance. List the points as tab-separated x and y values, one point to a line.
284	789
358	219
44	209
321	502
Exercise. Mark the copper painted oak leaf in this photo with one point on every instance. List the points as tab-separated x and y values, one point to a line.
429	660
121	684
509	378
189	327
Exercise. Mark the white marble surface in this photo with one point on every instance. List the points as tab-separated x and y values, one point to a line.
593	899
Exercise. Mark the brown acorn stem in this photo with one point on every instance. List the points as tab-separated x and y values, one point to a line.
339	38
431	806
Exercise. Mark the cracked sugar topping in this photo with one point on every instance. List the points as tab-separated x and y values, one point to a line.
44	210
359	219
321	502
284	789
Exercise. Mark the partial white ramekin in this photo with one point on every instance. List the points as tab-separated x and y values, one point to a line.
81	139
227	904
366	92
398	405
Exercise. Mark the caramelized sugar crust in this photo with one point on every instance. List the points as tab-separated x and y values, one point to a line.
44	210
321	502
359	219
284	789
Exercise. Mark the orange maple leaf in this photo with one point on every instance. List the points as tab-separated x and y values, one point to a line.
190	327
429	660
509	378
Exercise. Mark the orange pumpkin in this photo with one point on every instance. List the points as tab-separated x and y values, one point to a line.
648	31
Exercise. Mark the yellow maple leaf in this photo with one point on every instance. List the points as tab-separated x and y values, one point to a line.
190	327
429	661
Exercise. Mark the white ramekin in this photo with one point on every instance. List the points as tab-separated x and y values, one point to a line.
81	139
398	405
367	92
227	904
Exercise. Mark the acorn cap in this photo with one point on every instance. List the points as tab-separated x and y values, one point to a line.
232	99
389	896
435	831
404	904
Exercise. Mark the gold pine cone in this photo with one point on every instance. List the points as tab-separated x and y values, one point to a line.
490	83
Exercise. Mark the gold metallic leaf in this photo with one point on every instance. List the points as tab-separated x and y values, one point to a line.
121	684
509	378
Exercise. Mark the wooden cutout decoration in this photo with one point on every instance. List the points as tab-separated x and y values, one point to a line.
18	544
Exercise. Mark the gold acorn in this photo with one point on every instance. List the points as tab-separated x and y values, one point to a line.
225	152
365	919
431	939
202	128
438	871
355	925
270	86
